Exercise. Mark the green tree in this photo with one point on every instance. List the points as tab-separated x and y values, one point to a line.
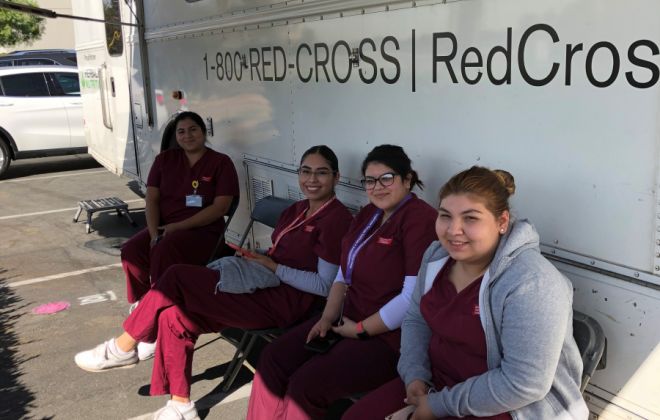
19	27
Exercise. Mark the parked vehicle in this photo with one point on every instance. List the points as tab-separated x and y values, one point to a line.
564	94
39	58
40	113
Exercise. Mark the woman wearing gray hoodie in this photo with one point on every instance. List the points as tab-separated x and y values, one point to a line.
489	330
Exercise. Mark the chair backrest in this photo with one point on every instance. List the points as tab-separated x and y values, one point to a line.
592	343
232	209
266	211
228	216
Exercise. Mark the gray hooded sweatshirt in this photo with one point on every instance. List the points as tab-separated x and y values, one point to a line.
534	365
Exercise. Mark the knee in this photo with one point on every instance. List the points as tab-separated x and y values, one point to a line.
138	244
128	249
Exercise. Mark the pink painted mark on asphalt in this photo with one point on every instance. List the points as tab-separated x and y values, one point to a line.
50	308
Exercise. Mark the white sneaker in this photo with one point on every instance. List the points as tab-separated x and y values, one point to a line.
100	358
146	351
172	411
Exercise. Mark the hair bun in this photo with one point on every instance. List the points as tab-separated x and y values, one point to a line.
507	180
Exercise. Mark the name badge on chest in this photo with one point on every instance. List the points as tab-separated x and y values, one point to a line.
194	200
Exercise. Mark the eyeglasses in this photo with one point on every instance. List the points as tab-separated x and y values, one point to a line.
306	173
386	179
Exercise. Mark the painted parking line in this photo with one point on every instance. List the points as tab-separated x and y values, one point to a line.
53	176
97	298
240	393
39	213
63	275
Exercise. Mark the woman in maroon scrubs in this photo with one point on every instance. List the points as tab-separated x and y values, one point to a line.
489	332
188	300
380	258
189	191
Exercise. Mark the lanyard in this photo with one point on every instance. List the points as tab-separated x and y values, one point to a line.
361	240
297	222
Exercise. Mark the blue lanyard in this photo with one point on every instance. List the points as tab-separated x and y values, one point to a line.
361	240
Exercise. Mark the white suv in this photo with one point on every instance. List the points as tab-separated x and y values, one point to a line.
40	113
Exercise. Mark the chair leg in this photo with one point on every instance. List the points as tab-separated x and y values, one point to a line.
242	352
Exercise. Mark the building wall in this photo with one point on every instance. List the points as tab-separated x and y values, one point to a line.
58	32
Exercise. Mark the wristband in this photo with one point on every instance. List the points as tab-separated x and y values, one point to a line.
362	334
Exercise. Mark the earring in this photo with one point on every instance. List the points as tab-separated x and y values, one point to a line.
502	231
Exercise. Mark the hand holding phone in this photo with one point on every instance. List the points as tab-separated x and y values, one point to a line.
240	250
322	344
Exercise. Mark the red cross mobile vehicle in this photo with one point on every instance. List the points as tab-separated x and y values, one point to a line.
564	94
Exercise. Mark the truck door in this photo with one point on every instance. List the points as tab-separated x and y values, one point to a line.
114	88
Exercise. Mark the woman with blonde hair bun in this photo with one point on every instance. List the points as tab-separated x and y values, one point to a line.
489	330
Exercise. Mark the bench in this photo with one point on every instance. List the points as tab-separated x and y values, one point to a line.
102	204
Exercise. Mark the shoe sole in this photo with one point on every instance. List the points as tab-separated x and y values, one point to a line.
107	369
142	359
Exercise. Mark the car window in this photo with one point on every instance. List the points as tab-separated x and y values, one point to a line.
6	63
28	84
34	62
69	83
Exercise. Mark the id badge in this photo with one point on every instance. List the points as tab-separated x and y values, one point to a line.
194	200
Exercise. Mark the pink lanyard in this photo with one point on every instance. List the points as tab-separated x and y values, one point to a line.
297	222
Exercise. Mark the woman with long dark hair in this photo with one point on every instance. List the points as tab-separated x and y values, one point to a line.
290	279
380	257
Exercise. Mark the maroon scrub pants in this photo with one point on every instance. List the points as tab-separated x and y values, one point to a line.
389	398
143	264
294	383
184	305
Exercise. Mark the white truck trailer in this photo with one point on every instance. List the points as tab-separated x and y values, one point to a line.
564	94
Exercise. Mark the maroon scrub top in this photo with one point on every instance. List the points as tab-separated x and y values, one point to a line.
173	176
457	350
319	237
392	253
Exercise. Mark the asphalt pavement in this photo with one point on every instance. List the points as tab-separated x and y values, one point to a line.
46	258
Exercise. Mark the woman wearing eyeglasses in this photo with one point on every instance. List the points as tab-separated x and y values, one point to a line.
380	257
190	300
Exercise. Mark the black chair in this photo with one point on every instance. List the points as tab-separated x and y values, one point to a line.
592	343
266	211
221	240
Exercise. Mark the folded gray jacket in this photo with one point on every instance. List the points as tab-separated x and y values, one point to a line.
240	275
534	365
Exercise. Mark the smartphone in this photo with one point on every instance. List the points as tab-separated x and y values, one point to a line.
243	251
322	344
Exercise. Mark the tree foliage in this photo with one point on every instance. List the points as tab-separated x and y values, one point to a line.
19	27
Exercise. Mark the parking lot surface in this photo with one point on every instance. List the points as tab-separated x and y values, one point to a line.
45	258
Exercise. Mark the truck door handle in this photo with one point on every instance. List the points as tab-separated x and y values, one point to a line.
6	104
